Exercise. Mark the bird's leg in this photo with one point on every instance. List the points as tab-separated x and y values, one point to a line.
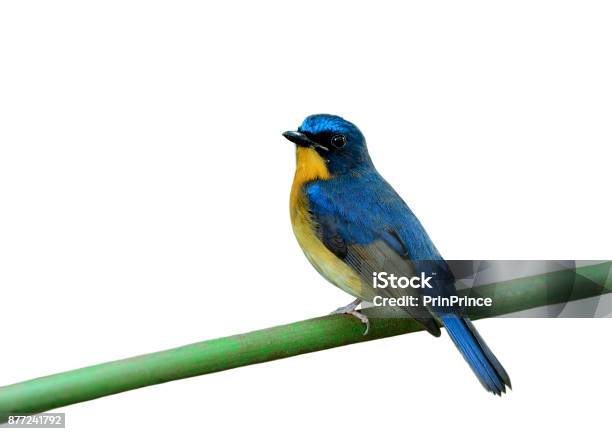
350	310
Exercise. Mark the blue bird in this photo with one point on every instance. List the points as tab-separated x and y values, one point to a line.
351	223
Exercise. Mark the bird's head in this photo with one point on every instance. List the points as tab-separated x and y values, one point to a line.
338	142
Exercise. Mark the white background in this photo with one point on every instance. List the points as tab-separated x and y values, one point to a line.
144	199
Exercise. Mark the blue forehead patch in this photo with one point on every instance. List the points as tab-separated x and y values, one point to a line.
315	124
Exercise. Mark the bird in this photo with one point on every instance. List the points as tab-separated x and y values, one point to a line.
350	223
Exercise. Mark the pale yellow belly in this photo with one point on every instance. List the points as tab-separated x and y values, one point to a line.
322	259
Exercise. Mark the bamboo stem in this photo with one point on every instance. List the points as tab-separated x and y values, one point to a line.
58	390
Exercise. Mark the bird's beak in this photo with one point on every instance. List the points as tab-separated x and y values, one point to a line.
301	139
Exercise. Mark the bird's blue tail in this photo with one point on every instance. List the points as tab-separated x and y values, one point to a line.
485	365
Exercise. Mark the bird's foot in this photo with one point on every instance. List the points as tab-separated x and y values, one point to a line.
349	309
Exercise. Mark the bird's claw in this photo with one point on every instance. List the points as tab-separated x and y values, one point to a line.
350	310
364	319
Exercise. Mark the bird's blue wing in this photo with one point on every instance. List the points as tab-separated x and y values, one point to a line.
367	225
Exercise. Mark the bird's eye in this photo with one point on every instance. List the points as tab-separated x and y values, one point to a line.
338	141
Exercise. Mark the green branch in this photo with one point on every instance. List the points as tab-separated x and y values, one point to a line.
289	340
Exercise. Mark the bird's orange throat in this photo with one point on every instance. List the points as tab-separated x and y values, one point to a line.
309	166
